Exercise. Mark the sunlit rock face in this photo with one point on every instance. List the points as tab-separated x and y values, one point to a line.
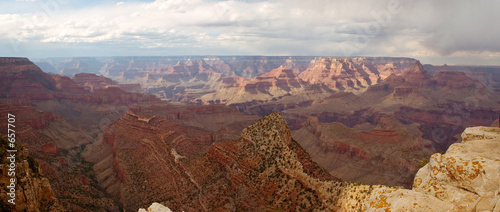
465	178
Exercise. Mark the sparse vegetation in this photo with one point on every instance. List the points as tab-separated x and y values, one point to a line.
423	163
33	164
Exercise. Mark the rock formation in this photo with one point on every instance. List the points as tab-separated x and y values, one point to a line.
156	207
348	73
112	150
276	84
32	191
387	154
147	144
264	169
465	178
92	82
417	76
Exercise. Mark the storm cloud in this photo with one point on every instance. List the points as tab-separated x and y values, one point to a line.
434	31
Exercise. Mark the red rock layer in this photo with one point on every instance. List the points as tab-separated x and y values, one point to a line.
454	80
147	158
92	82
21	79
441	126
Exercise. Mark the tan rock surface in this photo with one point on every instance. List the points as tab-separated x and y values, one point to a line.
465	178
156	207
33	191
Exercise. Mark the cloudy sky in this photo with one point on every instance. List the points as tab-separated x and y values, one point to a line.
437	32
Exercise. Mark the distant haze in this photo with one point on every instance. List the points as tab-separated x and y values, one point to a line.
436	32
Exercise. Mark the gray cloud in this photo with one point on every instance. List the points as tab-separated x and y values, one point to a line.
433	30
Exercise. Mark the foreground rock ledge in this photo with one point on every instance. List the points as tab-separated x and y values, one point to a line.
465	178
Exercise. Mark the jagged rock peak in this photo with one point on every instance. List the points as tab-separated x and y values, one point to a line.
445	66
271	128
417	67
180	63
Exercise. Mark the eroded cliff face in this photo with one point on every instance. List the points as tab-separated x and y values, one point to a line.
145	154
92	82
32	190
465	178
353	74
265	169
270	86
55	119
387	154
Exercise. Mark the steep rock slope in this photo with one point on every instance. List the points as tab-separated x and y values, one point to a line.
145	157
136	159
465	178
55	118
263	170
387	154
33	191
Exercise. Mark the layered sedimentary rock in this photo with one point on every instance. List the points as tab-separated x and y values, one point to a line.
252	66
264	169
276	84
388	154
454	80
55	118
70	67
73	117
188	78
146	144
417	76
465	178
92	82
443	124
351	73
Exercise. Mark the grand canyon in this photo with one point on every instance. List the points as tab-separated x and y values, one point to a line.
250	133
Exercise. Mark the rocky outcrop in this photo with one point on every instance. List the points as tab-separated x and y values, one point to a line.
265	169
416	76
32	191
188	78
92	82
465	178
156	207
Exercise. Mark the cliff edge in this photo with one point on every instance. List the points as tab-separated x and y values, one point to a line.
465	178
